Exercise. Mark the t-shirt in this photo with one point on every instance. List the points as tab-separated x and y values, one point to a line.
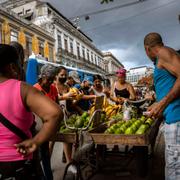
53	93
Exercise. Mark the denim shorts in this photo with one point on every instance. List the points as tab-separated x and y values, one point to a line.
172	151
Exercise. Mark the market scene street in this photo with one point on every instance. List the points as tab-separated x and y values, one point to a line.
90	89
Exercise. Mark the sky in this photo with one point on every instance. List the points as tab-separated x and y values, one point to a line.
122	29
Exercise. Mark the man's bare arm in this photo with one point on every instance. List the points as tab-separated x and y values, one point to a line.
170	61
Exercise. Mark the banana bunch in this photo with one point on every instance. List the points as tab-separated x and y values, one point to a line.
73	90
104	106
112	110
77	94
92	108
105	103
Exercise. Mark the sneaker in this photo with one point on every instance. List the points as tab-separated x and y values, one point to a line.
72	169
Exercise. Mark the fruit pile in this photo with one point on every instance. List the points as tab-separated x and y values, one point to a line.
112	109
133	126
109	109
80	122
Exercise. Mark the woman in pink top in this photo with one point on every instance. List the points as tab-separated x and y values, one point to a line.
18	100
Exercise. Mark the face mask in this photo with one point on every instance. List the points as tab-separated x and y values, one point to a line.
62	80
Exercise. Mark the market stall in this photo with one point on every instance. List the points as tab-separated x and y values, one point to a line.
139	132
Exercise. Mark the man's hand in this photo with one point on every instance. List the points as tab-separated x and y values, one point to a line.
156	110
26	147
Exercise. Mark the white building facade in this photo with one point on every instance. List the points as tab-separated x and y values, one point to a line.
72	47
135	74
112	64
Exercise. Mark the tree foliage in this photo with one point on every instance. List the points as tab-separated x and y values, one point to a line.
106	1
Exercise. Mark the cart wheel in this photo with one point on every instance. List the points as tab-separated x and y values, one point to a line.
141	158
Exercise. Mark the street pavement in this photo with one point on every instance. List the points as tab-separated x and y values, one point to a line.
112	169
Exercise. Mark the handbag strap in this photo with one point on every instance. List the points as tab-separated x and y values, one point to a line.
13	128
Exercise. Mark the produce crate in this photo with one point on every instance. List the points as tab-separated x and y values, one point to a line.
146	139
65	137
100	137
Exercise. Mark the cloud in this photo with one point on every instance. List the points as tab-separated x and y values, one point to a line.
131	57
122	31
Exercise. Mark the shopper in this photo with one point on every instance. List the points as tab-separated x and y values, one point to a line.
18	101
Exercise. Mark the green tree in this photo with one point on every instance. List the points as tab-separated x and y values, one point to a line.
105	1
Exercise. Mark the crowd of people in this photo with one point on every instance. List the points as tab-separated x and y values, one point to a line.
59	94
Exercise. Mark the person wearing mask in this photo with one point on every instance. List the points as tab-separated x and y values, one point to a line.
21	100
62	87
122	90
167	88
63	96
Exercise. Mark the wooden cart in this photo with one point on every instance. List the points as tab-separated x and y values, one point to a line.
140	143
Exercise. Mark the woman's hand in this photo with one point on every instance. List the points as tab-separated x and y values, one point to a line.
120	100
69	95
26	147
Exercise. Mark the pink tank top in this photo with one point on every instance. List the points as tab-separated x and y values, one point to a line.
11	106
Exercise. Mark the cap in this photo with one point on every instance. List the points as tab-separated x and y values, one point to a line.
75	76
78	86
121	72
47	70
89	79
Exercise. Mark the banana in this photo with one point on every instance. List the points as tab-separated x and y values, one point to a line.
108	113
105	103
114	112
108	108
92	110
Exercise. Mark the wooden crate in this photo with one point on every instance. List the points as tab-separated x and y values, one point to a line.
136	140
100	138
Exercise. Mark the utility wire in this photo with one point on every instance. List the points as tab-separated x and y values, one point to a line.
121	20
108	9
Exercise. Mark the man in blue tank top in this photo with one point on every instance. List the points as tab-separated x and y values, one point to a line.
167	88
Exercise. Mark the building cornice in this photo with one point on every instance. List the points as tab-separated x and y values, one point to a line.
109	54
67	25
27	24
73	31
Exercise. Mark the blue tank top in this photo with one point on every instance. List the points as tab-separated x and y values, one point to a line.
163	82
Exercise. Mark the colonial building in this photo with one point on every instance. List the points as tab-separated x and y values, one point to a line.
72	47
33	38
137	73
112	64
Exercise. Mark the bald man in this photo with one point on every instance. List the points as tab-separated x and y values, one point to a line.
167	88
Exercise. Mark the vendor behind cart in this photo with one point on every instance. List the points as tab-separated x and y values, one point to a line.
97	88
122	90
167	88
